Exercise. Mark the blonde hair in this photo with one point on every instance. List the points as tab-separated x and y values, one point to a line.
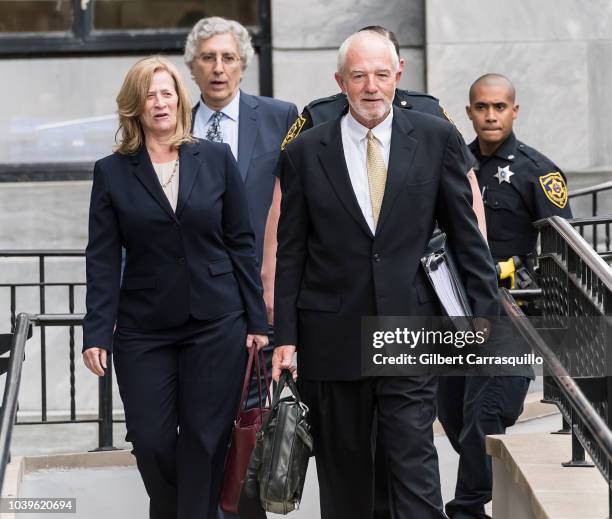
132	98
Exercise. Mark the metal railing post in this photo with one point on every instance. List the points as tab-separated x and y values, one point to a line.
578	454
565	427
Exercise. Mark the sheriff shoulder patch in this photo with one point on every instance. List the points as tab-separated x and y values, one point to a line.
294	131
449	119
553	185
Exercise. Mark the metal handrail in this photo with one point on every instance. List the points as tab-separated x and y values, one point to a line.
581	247
604	186
42	252
570	389
11	390
21	334
590	220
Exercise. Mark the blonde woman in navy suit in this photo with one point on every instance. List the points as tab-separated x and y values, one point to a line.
190	297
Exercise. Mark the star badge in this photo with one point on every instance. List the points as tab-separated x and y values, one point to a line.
503	174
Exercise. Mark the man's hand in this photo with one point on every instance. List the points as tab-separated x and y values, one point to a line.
259	341
95	360
282	358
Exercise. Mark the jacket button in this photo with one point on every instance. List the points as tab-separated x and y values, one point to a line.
376	257
177	226
180	261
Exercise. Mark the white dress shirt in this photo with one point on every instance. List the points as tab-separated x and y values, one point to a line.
355	144
228	123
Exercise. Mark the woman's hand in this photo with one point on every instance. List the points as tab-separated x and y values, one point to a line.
95	360
260	341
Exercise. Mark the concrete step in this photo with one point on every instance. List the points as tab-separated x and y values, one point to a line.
529	481
108	485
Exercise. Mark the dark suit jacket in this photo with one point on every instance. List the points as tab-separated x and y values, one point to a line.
262	125
331	270
199	261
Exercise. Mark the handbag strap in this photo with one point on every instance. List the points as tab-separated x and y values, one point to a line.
259	360
266	378
245	382
256	364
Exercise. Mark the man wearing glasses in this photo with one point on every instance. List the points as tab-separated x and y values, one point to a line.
217	52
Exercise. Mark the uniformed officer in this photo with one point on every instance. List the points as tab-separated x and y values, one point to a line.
519	185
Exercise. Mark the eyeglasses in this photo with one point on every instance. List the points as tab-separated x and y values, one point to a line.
227	58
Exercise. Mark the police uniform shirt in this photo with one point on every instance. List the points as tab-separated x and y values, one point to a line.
519	186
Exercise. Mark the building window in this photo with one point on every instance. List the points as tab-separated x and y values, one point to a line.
160	14
35	17
46	27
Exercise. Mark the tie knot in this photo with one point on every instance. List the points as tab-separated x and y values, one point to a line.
370	135
217	116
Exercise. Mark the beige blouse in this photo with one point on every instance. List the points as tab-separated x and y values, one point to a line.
168	175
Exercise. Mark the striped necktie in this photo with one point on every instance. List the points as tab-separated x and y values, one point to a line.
214	130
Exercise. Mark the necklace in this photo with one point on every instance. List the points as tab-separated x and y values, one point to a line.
171	178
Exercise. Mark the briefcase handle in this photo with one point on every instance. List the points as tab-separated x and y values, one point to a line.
256	364
286	379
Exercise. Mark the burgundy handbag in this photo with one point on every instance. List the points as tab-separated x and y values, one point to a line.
248	422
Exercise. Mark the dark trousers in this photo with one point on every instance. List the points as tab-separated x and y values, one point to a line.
180	389
381	488
343	417
469	408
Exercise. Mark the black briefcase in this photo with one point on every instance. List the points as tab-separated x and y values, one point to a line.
277	469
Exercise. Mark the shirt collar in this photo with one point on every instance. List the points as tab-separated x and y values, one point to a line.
231	110
382	131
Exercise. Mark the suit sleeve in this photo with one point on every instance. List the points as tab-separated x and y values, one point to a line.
103	266
239	239
291	253
455	214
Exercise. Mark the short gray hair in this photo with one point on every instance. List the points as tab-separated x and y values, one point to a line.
208	27
346	44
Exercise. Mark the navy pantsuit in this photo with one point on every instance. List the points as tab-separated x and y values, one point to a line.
189	293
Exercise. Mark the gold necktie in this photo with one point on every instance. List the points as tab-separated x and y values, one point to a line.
377	175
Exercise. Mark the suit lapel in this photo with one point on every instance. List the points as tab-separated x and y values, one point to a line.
189	169
194	111
334	165
248	125
403	148
143	169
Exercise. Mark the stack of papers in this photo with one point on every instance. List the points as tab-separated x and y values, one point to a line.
446	284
